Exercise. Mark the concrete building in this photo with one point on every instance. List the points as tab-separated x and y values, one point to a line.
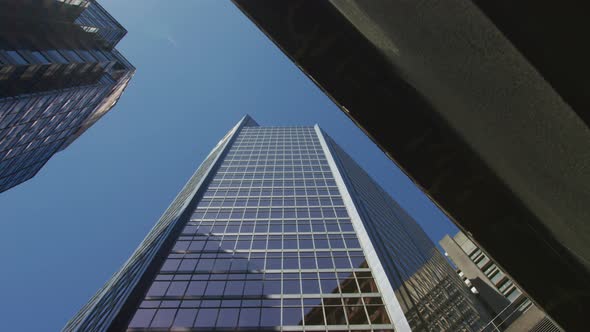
279	229
511	310
59	74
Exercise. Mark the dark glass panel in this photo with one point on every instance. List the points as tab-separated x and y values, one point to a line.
249	317
177	288
310	286
142	318
206	318
292	316
185	318
228	317
378	314
158	288
196	288
270	317
163	318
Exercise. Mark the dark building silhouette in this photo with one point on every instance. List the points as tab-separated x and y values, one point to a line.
59	73
280	228
482	103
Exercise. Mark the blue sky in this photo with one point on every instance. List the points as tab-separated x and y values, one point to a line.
201	65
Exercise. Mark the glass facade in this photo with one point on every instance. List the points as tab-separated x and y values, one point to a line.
59	74
272	241
431	296
269	244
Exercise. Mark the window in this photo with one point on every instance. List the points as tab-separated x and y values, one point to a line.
17	58
56	56
39	57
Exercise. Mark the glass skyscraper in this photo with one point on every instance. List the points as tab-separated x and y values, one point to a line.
59	73
279	229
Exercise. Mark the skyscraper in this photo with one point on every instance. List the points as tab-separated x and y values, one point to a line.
59	73
280	228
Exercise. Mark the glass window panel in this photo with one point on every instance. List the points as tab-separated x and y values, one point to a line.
188	265
170	304
329	286
239	264
308	263
335	315
261	227
270	317
342	263
332	227
142	318
170	265
150	304
368	286
291	263
247	227
235	287
249	317
314	315
352	243
272	287
163	318
158	288
210	303
317	226
206	318
377	314
336	243
196	288
303	227
292	316
356	315
291	287
185	318
273	263
310	286
228	317
222	264
177	288
253	287
205	264
215	288
349	286
290	243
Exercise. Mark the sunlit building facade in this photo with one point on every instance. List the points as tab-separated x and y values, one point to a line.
511	310
59	73
279	229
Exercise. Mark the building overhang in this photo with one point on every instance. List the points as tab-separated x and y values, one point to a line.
474	113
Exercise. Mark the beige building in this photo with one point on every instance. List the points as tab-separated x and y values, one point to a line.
512	310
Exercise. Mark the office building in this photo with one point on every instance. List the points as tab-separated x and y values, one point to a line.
490	123
512	311
280	228
59	74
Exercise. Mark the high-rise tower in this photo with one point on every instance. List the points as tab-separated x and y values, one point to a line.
59	73
280	228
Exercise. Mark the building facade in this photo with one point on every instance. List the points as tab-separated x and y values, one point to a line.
59	73
279	229
511	310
